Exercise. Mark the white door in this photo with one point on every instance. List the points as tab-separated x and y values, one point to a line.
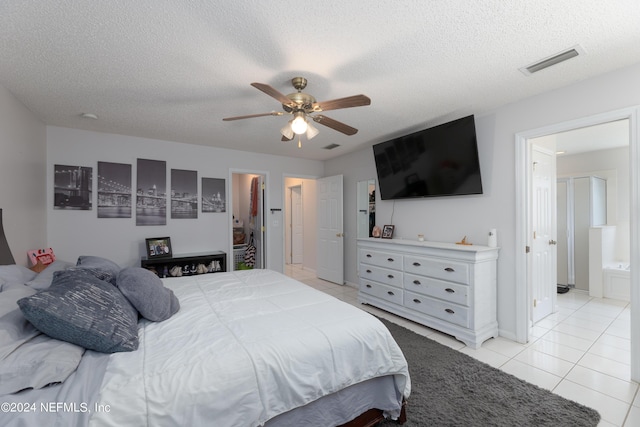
261	253
562	263
543	233
296	225
330	232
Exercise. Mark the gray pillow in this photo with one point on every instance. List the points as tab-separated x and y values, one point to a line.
44	278
97	262
147	294
84	310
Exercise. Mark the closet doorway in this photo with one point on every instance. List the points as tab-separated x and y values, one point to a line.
248	220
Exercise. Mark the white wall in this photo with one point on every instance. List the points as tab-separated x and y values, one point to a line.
22	177
74	233
449	219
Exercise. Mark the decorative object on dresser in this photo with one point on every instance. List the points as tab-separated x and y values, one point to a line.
464	241
387	231
445	286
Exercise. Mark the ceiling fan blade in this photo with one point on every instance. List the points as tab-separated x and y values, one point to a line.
250	116
334	124
348	102
274	94
285	139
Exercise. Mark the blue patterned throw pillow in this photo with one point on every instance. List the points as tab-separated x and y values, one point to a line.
81	309
100	264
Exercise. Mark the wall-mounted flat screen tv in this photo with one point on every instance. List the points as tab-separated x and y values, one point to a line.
438	161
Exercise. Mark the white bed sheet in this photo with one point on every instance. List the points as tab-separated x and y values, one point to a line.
245	347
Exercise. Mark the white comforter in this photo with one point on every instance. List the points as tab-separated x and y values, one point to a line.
244	347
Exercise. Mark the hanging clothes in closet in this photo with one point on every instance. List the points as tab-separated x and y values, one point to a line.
253	201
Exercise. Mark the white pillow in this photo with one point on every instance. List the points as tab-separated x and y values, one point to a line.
12	274
44	278
28	358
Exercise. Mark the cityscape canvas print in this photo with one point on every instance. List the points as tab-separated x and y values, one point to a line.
114	190
184	194
213	195
72	187
151	193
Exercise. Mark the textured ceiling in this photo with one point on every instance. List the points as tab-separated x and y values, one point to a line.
168	69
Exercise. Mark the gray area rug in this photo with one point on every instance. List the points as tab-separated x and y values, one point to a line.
449	388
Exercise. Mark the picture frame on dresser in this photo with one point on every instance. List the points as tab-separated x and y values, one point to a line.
387	231
158	247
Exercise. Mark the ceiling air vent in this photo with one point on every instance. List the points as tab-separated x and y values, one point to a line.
552	60
331	146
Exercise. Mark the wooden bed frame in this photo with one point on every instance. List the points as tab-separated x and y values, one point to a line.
373	416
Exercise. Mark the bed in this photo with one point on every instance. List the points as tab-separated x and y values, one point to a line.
245	348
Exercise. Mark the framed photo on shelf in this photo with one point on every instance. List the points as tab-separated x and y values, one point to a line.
158	247
387	231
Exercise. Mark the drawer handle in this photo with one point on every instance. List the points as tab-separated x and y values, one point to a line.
448	310
368	271
417	301
368	255
417	282
450	290
390	259
368	286
416	264
449	269
390	276
390	293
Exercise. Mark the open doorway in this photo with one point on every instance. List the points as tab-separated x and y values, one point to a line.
300	230
248	220
523	212
592	181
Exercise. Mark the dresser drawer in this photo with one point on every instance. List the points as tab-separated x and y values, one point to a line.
442	310
441	289
381	259
388	293
382	275
439	269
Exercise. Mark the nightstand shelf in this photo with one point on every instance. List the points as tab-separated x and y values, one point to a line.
163	265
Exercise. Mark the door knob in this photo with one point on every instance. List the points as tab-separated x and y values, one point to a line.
553	242
339	234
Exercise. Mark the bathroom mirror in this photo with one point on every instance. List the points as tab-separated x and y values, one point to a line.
366	194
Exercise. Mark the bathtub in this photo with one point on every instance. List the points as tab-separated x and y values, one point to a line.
616	282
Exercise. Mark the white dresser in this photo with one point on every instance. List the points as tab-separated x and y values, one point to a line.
448	287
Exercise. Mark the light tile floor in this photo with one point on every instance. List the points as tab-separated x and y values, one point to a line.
582	352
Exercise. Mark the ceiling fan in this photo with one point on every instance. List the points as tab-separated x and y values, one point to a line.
303	107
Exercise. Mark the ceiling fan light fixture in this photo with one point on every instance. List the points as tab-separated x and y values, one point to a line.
286	130
311	131
299	124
